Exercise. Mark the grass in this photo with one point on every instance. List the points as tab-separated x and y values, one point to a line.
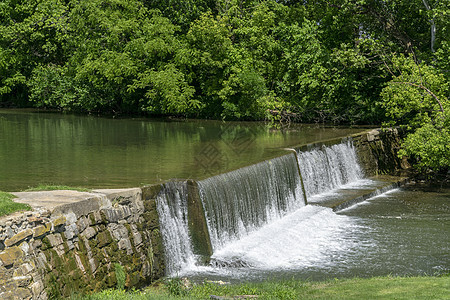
8	206
386	287
44	187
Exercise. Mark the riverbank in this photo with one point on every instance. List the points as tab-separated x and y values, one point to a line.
387	287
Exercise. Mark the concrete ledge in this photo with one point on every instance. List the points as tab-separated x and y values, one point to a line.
344	197
122	195
63	201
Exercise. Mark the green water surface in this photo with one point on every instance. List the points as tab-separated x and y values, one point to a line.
60	149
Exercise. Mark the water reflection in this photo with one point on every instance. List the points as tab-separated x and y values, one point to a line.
99	152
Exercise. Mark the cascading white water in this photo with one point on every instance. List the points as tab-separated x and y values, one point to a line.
257	212
172	210
329	167
301	239
238	202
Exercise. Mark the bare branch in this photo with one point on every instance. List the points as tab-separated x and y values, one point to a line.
433	26
424	88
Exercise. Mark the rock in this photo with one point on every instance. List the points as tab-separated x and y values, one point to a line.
82	223
137	238
39	231
89	233
59	221
126	211
93	263
36	288
25	247
33	219
55	239
26	268
104	238
71	231
125	244
9	232
18	293
112	215
96	217
120	232
35	244
70	245
71	218
22	281
10	255
18	237
41	261
79	263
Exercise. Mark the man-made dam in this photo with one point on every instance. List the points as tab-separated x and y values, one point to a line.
283	217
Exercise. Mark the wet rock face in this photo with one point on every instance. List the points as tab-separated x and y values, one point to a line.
56	252
377	151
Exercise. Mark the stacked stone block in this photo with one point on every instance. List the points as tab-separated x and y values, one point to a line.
47	254
377	151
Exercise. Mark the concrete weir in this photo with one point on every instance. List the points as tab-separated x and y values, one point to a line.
78	242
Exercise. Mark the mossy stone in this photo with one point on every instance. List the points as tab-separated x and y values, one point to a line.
40	230
111	279
93	244
59	221
133	279
18	237
151	219
92	218
104	238
150	191
11	255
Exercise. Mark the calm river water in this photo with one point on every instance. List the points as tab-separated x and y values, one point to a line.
49	148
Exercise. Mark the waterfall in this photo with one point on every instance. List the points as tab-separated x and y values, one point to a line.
172	210
236	205
329	167
238	202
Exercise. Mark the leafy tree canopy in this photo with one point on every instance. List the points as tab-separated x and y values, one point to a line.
340	61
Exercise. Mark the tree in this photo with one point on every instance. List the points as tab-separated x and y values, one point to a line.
31	33
416	97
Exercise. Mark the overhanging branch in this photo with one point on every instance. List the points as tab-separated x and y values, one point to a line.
424	88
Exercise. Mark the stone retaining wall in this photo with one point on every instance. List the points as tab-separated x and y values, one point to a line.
82	247
377	151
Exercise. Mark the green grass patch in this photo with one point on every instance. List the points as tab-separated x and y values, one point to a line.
44	187
8	206
386	287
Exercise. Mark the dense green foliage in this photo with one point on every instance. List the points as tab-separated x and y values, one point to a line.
8	206
372	288
341	61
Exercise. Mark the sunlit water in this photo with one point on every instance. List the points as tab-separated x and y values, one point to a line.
402	232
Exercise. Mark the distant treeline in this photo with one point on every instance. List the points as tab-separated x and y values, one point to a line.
340	61
331	61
